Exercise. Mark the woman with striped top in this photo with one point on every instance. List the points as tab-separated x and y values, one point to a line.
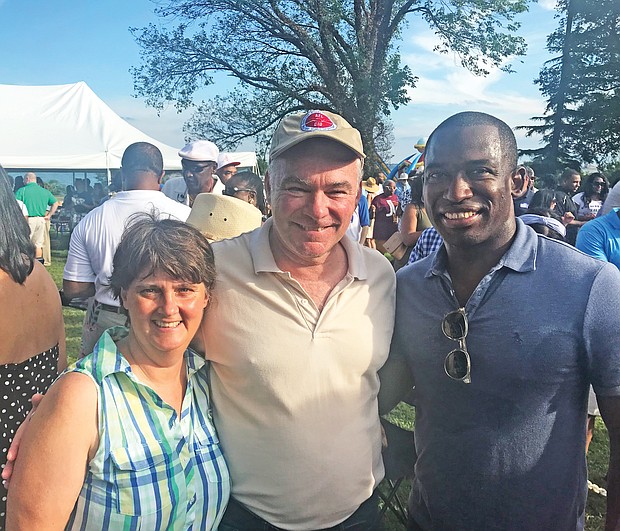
124	439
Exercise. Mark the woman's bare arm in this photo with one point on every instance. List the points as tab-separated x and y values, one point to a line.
54	452
409	225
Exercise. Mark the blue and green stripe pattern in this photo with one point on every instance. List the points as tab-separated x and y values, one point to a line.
152	470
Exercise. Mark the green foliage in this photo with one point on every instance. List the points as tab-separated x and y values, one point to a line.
287	55
56	187
582	85
612	170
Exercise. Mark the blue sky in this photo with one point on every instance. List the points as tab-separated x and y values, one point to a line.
48	43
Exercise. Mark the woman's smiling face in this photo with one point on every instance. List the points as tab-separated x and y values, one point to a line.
164	313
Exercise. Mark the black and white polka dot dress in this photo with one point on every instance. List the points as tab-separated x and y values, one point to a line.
18	382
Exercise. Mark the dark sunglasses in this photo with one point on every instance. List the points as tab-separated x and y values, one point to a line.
197	168
595	183
457	363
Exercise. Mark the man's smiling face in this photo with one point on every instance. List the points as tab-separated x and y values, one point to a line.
468	186
313	193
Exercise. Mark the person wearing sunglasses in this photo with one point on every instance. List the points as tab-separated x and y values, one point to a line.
248	187
501	398
592	198
226	167
199	163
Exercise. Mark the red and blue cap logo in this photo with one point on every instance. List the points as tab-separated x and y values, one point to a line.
317	121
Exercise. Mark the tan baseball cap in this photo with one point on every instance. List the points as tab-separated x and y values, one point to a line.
296	128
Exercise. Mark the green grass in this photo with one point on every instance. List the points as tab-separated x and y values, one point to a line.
403	415
73	318
598	461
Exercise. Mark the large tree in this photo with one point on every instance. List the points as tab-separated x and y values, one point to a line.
582	86
288	55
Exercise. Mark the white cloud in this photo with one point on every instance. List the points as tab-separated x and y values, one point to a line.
444	88
549	5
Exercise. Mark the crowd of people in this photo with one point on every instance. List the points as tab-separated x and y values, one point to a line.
242	339
396	206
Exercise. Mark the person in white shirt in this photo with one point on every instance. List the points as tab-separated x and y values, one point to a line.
96	237
199	162
23	208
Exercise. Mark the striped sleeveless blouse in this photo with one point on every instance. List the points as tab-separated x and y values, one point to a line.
152	470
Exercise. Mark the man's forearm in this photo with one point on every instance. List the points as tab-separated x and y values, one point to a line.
396	382
72	289
52	211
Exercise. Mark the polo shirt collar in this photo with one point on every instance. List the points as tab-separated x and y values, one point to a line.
112	365
520	257
264	262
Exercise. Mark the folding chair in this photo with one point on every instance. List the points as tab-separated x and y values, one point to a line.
398	458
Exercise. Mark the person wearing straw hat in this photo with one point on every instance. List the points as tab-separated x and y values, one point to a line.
420	145
370	188
501	397
293	346
220	217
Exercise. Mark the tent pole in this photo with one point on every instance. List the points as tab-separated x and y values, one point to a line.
107	168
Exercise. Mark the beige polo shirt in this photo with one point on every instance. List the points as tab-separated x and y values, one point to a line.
294	388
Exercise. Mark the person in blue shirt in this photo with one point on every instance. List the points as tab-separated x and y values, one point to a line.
600	238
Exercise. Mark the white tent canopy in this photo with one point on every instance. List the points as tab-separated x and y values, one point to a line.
67	127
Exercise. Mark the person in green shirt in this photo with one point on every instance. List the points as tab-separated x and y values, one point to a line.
41	205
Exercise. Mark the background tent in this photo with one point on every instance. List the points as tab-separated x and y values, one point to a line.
67	127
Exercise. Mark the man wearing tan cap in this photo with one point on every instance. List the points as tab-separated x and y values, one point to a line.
199	162
294	344
226	167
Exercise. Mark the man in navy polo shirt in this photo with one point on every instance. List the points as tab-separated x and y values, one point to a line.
500	397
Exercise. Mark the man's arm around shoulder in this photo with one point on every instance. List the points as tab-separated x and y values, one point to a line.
396	381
